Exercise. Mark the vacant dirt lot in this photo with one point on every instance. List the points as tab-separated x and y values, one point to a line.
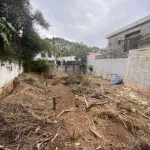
74	112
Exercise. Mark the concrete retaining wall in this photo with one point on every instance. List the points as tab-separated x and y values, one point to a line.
107	68
135	70
8	72
73	69
138	69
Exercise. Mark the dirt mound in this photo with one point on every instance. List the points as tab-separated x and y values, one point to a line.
87	114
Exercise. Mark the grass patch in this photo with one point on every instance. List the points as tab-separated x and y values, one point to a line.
73	137
94	114
35	82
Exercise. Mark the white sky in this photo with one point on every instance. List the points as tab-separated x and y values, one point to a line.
89	21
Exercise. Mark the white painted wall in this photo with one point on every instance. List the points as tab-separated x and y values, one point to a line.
8	72
67	58
39	56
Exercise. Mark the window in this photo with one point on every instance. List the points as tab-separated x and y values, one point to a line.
119	42
109	45
132	40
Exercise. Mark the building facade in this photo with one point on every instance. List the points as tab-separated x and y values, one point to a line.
133	36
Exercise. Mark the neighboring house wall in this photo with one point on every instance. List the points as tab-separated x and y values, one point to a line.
135	70
8	72
117	42
67	58
42	55
45	56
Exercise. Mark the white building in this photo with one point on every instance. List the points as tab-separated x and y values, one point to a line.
44	55
66	58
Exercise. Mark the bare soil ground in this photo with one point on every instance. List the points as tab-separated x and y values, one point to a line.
76	112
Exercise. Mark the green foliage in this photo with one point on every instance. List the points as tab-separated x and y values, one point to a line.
18	17
90	67
38	16
67	48
73	137
9	50
6	29
46	45
41	66
94	114
11	28
4	38
11	53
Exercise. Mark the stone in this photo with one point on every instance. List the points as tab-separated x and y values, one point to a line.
1	147
144	103
132	96
77	144
134	110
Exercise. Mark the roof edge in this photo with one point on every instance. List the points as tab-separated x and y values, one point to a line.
136	23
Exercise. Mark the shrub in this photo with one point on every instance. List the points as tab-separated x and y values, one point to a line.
41	66
27	65
90	67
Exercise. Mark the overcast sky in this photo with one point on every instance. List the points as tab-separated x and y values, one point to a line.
89	21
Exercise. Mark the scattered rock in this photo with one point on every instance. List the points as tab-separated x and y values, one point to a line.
132	96
143	103
77	144
1	147
134	110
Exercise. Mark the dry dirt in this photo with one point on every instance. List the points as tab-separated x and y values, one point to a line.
115	118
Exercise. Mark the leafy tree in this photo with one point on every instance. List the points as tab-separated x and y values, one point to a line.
67	48
20	14
6	30
46	45
38	17
8	49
